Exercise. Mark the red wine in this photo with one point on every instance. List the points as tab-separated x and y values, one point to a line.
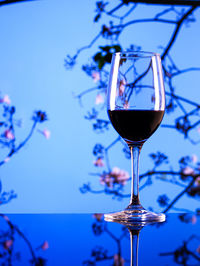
135	125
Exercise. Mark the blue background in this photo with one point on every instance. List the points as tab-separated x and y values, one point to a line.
47	174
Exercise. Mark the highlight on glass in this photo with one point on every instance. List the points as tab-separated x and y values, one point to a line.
136	106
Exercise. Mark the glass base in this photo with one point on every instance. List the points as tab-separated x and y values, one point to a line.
135	214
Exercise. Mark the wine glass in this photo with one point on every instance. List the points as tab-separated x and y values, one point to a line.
134	229
136	105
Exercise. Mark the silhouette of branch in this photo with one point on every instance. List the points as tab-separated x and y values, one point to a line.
187	119
182	254
167	2
39	117
7	2
70	61
99	253
176	31
115	9
8	243
179	195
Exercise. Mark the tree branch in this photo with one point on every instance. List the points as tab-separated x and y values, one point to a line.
168	2
7	2
179	196
179	24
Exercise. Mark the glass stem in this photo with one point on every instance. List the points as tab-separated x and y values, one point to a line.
135	153
134	239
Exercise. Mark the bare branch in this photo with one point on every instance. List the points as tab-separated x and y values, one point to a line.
7	2
168	2
179	196
115	9
178	27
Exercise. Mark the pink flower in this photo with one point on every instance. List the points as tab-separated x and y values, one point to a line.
96	76
194	158
98	216
193	219
46	133
8	134
6	218
120	175
188	170
116	176
99	99
107	180
122	84
45	245
197	181
5	99
7	159
198	249
126	104
99	162
7	244
118	260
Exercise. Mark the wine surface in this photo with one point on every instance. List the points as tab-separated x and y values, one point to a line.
135	125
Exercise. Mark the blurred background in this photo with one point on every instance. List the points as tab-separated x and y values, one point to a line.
49	170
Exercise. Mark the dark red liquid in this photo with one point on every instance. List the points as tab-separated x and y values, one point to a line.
135	125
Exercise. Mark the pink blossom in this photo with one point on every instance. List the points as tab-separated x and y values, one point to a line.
188	170
98	216
198	249
194	158
126	104
5	99
99	162
7	244
99	99
46	133
8	134
45	245
7	159
106	180
198	130
120	175
197	181
6	218
122	84
96	76
193	219
118	260
116	176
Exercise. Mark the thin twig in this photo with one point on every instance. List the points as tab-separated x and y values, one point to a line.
179	196
174	35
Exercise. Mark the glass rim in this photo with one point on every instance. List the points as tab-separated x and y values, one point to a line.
136	54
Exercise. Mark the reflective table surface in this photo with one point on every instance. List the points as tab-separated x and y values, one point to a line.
86	239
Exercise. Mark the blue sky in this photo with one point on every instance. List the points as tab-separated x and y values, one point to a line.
47	174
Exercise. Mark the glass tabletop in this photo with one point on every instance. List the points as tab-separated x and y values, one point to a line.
86	239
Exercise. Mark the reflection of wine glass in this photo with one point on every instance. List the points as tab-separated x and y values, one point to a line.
136	104
134	230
